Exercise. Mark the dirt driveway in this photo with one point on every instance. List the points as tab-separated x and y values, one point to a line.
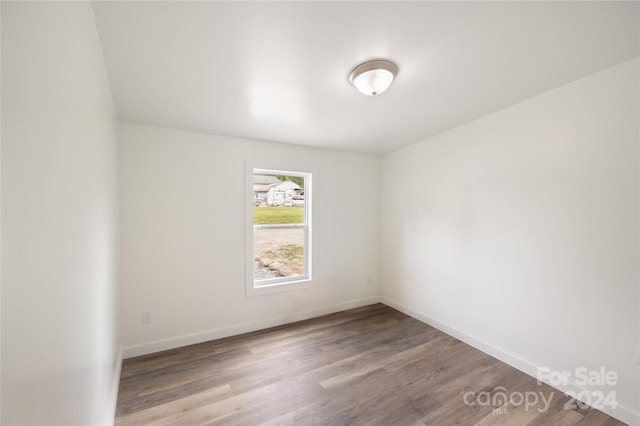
284	246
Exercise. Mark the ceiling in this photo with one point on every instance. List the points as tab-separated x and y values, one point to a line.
279	71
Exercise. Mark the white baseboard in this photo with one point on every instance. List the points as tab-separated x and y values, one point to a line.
621	413
235	329
113	396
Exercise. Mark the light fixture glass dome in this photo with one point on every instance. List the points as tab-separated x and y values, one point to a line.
373	77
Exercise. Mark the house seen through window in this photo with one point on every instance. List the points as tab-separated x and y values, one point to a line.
281	231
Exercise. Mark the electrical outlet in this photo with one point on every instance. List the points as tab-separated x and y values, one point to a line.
146	317
638	355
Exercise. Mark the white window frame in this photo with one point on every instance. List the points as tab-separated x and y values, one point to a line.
277	285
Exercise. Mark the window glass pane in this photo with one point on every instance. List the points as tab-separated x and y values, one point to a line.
278	199
279	228
278	252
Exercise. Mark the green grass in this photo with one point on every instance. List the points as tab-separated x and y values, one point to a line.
287	253
291	255
277	215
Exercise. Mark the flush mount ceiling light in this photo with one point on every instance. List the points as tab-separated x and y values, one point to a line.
373	77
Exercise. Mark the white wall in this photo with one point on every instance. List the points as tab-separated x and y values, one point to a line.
59	342
519	232
182	239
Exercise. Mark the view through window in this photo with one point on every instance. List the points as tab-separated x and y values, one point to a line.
281	232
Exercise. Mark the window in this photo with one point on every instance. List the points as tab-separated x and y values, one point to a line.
278	229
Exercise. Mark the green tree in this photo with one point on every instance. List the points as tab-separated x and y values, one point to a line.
299	180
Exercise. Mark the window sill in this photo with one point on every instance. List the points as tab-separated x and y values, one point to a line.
281	287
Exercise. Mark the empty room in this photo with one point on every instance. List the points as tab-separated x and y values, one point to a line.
320	213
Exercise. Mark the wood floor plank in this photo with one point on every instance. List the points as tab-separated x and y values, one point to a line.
159	412
366	366
208	413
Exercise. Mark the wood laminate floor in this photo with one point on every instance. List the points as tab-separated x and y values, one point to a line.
366	366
